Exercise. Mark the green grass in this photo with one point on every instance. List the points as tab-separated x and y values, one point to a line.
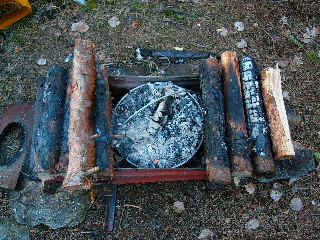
313	56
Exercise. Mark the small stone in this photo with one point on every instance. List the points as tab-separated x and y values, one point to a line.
68	58
236	181
253	224
41	61
206	234
276	186
178	48
114	22
242	44
315	203
250	188
239	26
275	195
296	204
283	63
80	27
223	31
284	20
285	95
178	207
245	216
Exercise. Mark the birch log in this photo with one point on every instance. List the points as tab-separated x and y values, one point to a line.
81	126
276	113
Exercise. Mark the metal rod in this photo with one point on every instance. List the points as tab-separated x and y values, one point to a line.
110	210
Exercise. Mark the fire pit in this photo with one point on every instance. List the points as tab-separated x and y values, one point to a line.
159	125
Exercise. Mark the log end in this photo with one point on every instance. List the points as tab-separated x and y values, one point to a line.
264	166
218	175
241	167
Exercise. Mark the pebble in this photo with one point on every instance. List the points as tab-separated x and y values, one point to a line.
242	44
286	95
68	58
245	216
223	31
114	22
296	204
275	195
236	181
42	61
206	234
178	207
276	186
283	63
239	26
80	27
315	203
250	188
253	224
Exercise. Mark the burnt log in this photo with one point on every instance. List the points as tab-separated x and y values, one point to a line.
258	129
237	136
276	113
81	125
48	121
215	149
174	55
103	109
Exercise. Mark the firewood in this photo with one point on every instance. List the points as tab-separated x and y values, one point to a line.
48	120
81	126
276	113
258	129
237	136
215	149
103	109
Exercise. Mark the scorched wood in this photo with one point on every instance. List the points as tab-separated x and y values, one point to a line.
237	135
48	120
276	113
103	109
81	126
215	149
258	128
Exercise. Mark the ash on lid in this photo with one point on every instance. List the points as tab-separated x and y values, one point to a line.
161	125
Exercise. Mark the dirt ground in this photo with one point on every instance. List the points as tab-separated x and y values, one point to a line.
274	32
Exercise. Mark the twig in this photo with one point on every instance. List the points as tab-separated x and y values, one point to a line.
134	206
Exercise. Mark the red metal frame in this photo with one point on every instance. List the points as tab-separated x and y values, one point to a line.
139	175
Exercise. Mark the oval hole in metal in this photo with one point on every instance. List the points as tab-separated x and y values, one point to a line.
11	141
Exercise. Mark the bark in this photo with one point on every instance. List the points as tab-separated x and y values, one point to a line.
276	113
81	126
258	129
215	149
237	136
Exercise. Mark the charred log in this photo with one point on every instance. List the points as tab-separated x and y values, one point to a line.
276	112
173	55
48	120
215	149
104	153
81	126
237	136
258	129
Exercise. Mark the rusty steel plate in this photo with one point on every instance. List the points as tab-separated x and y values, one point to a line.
22	115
